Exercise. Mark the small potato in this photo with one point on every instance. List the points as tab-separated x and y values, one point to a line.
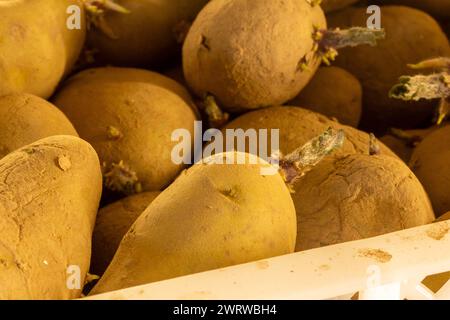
37	48
357	196
212	216
49	198
251	54
430	162
411	36
130	125
334	93
25	118
113	222
296	126
333	5
147	35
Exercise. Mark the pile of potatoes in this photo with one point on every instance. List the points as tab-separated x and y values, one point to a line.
91	93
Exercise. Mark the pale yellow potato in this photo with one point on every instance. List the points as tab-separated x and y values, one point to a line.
26	118
49	198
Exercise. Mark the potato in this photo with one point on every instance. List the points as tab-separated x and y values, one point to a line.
25	118
250	54
429	162
357	196
147	35
114	74
440	8
37	47
113	222
334	93
212	216
48	202
297	126
332	5
130	124
411	36
404	146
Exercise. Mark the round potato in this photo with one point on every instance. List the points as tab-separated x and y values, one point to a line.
357	196
113	222
147	35
37	47
49	198
25	118
250	54
411	36
130	125
334	93
297	126
429	162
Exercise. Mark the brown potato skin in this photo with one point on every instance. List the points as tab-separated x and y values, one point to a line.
411	36
357	196
145	114
145	36
49	199
438	8
234	52
212	216
430	163
113	222
25	118
333	5
334	93
297	126
34	37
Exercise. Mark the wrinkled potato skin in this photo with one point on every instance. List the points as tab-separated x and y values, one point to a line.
439	8
113	222
297	126
145	115
34	37
333	5
47	215
430	162
235	223
357	196
234	52
146	35
25	118
411	36
334	93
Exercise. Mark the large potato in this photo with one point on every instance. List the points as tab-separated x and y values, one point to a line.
357	196
147	35
37	49
212	216
297	126
130	125
113	222
411	36
49	198
252	53
430	162
334	93
25	118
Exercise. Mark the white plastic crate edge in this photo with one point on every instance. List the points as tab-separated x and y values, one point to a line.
390	266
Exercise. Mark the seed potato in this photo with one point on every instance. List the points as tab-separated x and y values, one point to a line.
49	198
